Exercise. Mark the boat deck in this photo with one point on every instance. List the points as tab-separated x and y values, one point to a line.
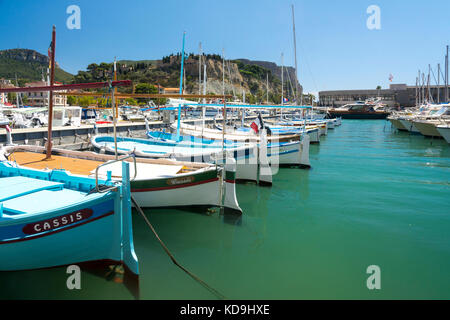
38	161
87	167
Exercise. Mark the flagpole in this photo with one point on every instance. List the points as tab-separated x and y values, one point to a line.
50	105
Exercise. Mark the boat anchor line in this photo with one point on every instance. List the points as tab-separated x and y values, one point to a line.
196	278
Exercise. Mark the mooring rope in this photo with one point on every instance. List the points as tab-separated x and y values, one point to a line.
203	283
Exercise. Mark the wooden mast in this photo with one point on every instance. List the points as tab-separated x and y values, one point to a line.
50	105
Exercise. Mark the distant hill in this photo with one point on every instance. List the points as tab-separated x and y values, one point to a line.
273	67
240	75
28	65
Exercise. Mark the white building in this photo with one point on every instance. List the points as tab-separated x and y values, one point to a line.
4	84
40	99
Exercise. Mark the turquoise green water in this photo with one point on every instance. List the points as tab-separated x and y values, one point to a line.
373	197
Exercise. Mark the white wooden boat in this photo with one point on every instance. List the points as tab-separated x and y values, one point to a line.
157	182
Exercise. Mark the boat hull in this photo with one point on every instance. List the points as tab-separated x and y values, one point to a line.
359	115
195	190
445	133
314	135
409	125
84	228
427	129
398	125
55	248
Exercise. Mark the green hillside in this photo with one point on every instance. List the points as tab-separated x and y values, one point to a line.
28	65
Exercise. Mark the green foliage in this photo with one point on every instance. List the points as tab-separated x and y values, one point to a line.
131	101
28	65
71	100
24	100
253	70
148	88
86	101
12	97
95	73
145	88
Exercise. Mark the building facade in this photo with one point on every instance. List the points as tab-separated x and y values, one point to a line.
397	95
4	96
40	99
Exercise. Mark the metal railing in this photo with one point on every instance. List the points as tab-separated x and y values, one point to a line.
110	162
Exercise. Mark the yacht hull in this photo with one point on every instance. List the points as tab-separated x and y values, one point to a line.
428	129
398	125
445	133
409	125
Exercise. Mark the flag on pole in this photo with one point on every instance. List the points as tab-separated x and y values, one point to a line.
257	124
49	51
285	99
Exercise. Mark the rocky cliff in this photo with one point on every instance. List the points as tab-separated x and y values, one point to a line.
27	65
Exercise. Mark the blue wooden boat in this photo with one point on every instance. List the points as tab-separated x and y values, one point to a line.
52	218
285	151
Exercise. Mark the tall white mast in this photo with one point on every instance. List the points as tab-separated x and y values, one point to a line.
295	57
430	98
417	92
419	88
223	71
446	77
438	82
204	99
282	80
423	86
199	68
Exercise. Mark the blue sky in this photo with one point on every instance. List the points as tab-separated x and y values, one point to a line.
335	49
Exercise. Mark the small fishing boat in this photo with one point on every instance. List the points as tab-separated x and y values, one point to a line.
283	129
288	153
156	183
52	218
291	149
246	156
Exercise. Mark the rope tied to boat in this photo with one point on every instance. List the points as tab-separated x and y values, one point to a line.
203	283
